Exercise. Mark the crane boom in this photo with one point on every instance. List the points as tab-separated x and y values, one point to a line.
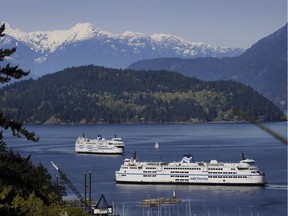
63	176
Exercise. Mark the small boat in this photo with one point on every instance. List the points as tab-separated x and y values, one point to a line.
156	145
99	145
188	171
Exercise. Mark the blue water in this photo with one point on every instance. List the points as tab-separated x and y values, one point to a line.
223	142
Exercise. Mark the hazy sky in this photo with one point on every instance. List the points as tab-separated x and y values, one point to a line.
228	23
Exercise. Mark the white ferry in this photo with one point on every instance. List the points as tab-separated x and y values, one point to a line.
99	145
187	171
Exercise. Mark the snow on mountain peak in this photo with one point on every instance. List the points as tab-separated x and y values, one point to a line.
46	42
162	36
130	34
167	38
49	41
42	41
83	31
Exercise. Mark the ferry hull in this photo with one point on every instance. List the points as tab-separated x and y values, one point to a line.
119	150
204	183
251	181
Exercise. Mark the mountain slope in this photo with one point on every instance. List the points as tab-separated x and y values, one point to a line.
50	51
263	67
91	94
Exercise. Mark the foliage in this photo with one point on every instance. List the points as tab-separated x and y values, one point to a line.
21	173
73	211
91	94
25	189
6	74
28	206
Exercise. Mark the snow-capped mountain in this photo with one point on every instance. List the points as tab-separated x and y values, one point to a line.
49	41
48	51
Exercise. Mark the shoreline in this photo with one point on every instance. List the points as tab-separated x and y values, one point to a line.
156	123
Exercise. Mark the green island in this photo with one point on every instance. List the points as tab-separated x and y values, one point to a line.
94	95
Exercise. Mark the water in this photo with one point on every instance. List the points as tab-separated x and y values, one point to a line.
223	142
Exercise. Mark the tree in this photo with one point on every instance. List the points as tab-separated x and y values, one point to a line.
7	73
25	189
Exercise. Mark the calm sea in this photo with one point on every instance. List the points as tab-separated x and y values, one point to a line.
223	142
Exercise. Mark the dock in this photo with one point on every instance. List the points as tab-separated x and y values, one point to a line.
160	201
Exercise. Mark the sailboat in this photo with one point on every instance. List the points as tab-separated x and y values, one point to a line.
156	145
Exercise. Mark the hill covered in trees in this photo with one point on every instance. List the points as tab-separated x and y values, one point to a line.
91	94
263	67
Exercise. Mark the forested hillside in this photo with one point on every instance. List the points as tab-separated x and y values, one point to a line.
90	94
263	67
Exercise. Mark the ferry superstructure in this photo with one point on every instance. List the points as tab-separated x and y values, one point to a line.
187	171
99	145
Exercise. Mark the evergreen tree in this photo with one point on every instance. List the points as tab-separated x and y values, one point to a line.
25	189
7	73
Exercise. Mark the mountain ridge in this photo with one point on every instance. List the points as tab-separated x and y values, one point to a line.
263	67
49	51
49	41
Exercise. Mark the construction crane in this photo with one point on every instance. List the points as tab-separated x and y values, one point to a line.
101	208
64	177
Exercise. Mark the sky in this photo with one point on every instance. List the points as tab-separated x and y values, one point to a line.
225	23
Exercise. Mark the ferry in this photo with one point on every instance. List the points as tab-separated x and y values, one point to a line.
187	171
99	145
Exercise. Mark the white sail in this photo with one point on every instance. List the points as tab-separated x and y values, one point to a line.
156	145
